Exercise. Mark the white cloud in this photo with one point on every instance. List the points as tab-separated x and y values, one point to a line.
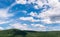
38	25
52	15
49	16
4	13
21	1
20	26
36	7
33	14
53	3
2	22
4	16
48	21
5	21
17	26
39	3
29	19
31	1
1	28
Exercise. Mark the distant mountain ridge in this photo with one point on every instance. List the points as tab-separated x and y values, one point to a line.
20	33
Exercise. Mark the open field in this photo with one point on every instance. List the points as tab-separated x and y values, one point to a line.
19	33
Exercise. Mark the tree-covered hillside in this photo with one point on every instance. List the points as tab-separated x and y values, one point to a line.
20	33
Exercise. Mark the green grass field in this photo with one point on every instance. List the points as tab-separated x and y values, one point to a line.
19	33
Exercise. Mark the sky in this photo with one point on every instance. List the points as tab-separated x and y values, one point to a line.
36	15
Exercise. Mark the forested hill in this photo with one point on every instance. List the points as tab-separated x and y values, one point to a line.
20	33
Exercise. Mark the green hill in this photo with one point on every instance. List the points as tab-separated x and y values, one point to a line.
19	33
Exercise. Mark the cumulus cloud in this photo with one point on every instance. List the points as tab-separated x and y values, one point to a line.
30	1
35	27
36	7
38	25
49	16
21	1
20	26
52	15
34	14
29	19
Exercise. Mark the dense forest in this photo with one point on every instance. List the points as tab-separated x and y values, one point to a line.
20	33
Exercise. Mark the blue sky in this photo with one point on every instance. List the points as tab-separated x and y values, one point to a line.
37	15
